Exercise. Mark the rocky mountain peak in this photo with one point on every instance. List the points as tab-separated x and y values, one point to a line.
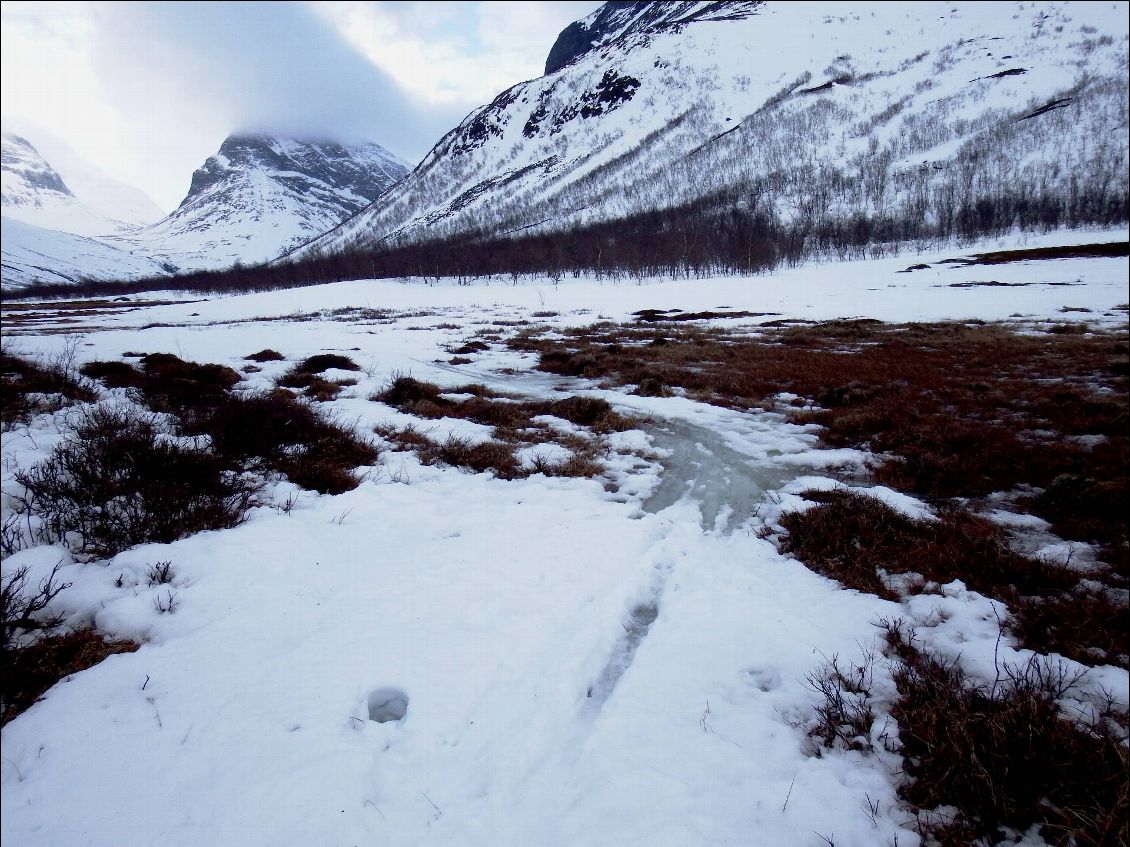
364	169
620	18
21	162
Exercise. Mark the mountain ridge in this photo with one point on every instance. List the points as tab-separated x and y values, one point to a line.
260	195
792	111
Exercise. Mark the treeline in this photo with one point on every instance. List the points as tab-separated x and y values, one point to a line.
716	235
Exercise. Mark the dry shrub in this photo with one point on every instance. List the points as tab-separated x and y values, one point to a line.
844	714
288	435
459	452
26	388
495	456
271	428
31	663
307	376
1004	755
113	374
172	384
403	391
117	481
167	382
484	407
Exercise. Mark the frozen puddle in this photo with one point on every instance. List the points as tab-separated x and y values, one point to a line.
727	485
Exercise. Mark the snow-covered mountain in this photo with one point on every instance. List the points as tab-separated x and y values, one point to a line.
260	196
52	235
33	254
93	187
909	114
35	193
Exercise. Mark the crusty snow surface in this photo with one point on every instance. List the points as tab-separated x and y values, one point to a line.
575	664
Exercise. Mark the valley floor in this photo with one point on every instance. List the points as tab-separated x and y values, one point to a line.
576	661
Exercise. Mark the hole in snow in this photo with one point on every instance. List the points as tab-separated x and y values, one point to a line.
765	679
387	704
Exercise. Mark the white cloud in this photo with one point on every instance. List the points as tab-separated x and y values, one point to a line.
148	90
454	53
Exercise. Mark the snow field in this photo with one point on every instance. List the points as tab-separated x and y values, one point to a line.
578	668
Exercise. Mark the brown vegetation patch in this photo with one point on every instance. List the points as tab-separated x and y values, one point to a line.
118	480
857	539
496	456
273	429
513	426
1110	249
424	399
957	410
307	375
287	435
660	315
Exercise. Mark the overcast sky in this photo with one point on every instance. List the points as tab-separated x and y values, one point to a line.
147	91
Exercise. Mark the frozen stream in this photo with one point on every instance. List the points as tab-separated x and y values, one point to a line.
699	465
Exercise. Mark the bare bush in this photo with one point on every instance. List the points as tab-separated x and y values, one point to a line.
117	481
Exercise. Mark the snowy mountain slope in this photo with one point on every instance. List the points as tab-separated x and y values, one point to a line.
95	189
260	195
35	193
34	254
909	113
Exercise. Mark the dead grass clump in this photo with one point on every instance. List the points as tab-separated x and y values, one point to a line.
591	412
579	465
652	386
1081	507
265	355
454	451
117	481
307	375
485	407
313	385
844	714
469	348
168	383
403	391
1004	756
568	363
1086	622
497	457
28	388
29	671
